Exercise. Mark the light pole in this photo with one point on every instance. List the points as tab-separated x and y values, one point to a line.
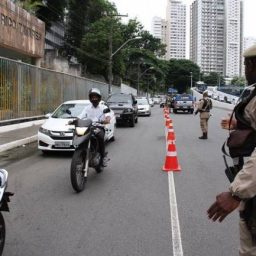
110	61
139	76
191	80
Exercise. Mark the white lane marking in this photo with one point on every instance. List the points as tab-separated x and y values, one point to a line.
175	224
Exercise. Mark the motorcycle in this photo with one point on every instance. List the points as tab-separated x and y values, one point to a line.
4	200
86	150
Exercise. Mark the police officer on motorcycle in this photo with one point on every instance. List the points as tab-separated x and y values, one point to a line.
94	111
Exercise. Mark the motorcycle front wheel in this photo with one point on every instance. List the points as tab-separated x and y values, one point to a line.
2	233
78	179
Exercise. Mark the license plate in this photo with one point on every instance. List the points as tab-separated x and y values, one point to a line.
62	144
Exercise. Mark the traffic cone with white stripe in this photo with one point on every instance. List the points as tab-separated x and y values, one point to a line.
167	122
171	160
170	134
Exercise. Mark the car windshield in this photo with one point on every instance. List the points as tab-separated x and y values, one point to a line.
120	99
63	110
184	97
142	101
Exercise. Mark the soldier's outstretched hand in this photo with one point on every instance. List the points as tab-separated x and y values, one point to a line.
225	203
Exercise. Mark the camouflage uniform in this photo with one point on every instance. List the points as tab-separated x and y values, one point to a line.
204	116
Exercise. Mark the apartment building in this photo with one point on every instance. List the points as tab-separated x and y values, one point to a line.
176	29
215	36
159	30
234	33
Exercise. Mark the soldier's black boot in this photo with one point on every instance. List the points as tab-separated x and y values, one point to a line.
204	137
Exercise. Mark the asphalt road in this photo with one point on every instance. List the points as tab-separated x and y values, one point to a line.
124	210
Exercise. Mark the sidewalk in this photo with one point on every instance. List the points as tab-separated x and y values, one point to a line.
11	137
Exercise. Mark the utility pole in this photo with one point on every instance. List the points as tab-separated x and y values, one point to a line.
110	45
191	80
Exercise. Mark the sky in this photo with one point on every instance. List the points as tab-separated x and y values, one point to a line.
145	10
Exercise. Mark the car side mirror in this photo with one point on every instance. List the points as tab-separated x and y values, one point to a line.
135	102
106	110
48	115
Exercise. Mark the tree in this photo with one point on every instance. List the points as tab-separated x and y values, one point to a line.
179	74
95	46
29	5
52	11
81	16
213	79
47	10
238	81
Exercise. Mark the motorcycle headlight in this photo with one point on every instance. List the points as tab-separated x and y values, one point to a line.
44	131
128	110
80	131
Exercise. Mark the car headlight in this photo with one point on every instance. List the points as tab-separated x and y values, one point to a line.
44	131
80	131
128	110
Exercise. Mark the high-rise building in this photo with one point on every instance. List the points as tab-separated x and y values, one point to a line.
233	37
159	29
215	36
176	29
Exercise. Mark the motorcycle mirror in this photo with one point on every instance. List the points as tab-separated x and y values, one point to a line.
106	110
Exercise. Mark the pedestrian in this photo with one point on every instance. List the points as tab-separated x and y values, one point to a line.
242	190
204	107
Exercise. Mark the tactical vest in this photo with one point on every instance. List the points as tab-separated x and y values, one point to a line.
207	106
249	143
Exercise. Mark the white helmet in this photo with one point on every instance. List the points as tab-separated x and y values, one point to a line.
94	91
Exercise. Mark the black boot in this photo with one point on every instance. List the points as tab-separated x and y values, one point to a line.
204	137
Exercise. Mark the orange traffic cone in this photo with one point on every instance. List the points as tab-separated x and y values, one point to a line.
171	160
170	125
167	122
171	134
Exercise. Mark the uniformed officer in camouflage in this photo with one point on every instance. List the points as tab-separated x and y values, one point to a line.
204	107
243	188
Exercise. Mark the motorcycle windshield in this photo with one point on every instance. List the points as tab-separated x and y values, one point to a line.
84	123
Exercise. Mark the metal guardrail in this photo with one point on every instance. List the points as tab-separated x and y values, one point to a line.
27	91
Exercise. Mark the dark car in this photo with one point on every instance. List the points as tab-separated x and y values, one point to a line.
125	108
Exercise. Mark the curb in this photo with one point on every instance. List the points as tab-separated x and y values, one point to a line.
17	143
12	127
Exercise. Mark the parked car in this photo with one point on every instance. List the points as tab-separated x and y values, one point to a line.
151	102
221	97
125	108
215	96
144	108
54	134
162	104
183	102
156	100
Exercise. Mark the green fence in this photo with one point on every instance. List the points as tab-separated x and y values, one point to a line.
26	90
